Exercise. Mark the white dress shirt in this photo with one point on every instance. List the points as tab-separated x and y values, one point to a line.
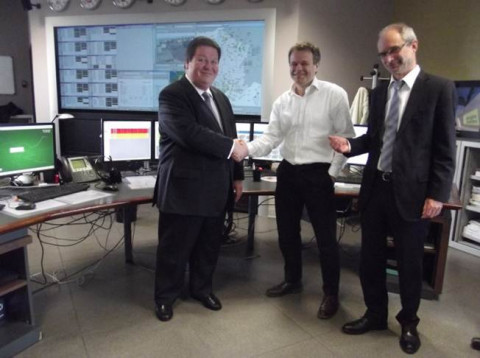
301	126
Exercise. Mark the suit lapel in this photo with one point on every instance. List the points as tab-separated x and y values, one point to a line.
414	100
206	112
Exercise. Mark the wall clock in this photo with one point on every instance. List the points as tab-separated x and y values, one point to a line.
175	2
58	5
90	4
123	4
214	2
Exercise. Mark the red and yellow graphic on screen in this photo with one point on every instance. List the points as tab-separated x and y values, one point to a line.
129	133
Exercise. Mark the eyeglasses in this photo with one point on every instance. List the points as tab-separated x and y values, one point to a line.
391	51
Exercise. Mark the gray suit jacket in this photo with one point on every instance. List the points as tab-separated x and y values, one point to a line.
194	175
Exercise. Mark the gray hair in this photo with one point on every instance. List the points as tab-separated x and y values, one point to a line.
405	31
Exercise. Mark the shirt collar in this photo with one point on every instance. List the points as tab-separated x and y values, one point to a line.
314	85
410	77
199	90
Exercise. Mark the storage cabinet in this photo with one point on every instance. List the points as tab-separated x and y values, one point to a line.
468	164
17	329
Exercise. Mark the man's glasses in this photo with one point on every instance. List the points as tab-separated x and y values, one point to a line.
391	51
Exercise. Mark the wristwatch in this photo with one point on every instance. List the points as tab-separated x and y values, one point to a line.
123	4
58	5
90	4
175	2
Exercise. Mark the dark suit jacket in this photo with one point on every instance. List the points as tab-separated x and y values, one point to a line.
194	175
424	152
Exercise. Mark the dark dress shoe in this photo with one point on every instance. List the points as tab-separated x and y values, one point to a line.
363	325
164	312
409	340
210	301
328	308
284	288
476	343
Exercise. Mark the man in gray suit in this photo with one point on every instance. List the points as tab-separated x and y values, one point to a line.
411	146
197	181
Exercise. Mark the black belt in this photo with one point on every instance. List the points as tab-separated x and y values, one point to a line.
324	166
385	176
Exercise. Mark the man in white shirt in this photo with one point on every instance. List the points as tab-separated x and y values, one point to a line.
302	118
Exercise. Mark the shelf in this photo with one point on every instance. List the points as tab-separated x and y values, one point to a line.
428	248
474	208
12	286
475	177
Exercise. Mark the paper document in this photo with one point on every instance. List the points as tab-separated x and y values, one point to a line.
140	182
82	197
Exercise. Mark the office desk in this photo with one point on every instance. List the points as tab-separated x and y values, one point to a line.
20	330
123	199
435	252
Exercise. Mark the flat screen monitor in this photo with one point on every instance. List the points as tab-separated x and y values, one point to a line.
123	67
156	143
244	131
258	130
467	113
362	158
125	140
26	148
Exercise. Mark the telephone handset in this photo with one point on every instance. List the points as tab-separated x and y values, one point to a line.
77	169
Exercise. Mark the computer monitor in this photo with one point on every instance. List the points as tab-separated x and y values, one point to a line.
156	143
467	112
244	131
274	156
26	148
127	140
362	158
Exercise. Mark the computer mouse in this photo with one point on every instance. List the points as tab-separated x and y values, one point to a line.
25	206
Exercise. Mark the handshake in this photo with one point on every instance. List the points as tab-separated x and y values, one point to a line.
240	150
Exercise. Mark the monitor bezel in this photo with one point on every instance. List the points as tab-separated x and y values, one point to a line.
126	161
14	173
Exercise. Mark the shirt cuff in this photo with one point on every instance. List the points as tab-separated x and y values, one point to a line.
231	150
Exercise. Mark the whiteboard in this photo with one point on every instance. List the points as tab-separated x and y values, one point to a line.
7	85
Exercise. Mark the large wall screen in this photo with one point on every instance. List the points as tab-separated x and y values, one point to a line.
124	67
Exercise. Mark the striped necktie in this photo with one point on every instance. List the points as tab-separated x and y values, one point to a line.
208	101
391	126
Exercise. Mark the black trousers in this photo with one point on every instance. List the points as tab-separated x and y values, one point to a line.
379	219
309	186
183	239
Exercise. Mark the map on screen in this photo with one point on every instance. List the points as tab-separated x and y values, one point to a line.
124	67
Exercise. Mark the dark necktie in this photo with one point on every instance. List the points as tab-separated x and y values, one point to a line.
391	126
208	101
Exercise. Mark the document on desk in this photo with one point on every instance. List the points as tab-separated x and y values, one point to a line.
39	207
82	197
140	182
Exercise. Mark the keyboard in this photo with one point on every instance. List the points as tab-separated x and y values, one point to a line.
34	195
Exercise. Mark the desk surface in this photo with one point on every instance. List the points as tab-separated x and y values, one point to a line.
126	196
268	188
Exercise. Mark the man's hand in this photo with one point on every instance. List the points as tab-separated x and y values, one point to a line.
431	208
339	144
238	189
240	150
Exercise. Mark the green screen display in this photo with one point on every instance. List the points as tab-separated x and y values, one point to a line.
26	148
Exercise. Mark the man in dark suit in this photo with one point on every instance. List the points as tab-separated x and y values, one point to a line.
196	180
411	146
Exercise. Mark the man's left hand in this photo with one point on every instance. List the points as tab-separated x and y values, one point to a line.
238	189
431	208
